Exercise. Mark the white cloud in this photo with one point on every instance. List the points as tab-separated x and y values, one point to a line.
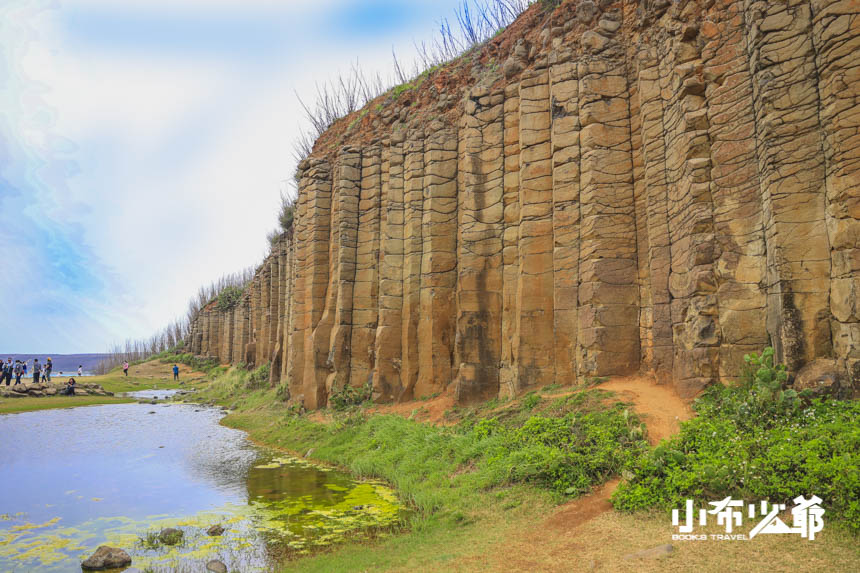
181	154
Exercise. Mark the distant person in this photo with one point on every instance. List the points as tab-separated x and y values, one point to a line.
6	372
49	367
80	370
69	390
25	368
37	371
175	372
125	368
19	371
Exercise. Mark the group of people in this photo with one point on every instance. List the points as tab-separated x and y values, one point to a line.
40	371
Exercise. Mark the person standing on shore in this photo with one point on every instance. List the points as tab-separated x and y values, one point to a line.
37	371
125	367
7	372
49	367
175	372
24	364
19	371
80	370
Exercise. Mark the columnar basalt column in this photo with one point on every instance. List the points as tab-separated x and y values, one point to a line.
437	305
207	332
386	379
333	334
314	271
564	90
295	356
534	347
608	316
657	343
836	40
510	240
792	178
479	247
265	313
225	355
365	311
740	262
692	280
288	317
274	302
412	253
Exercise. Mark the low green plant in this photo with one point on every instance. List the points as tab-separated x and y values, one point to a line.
149	540
349	397
755	441
529	401
259	378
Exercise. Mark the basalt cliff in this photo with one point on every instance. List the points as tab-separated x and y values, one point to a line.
605	188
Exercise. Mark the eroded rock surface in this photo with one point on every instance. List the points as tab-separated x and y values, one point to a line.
654	187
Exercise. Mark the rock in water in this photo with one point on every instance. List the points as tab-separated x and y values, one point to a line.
216	529
170	536
216	566
106	558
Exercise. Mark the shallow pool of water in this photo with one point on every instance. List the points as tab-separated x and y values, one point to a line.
152	394
71	480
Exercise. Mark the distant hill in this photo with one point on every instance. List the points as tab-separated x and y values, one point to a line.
62	362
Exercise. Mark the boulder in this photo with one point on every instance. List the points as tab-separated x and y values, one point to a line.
216	566
36	393
21	388
170	536
822	376
106	557
215	530
51	392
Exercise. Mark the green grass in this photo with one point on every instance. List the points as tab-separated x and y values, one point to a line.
31	404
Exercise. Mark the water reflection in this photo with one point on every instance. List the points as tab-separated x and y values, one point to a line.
75	479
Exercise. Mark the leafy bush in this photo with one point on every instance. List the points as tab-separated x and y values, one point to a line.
229	297
566	454
755	441
349	396
259	378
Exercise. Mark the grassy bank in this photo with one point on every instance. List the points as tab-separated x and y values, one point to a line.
486	490
30	404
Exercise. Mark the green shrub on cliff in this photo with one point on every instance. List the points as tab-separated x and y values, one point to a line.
755	441
229	297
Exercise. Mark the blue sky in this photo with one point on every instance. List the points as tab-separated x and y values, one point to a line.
144	144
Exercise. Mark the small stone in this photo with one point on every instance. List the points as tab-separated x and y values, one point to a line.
609	26
106	557
216	566
170	536
654	553
216	529
586	11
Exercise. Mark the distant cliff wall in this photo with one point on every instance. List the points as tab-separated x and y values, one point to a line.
606	188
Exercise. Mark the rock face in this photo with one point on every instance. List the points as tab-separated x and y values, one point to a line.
106	558
647	187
